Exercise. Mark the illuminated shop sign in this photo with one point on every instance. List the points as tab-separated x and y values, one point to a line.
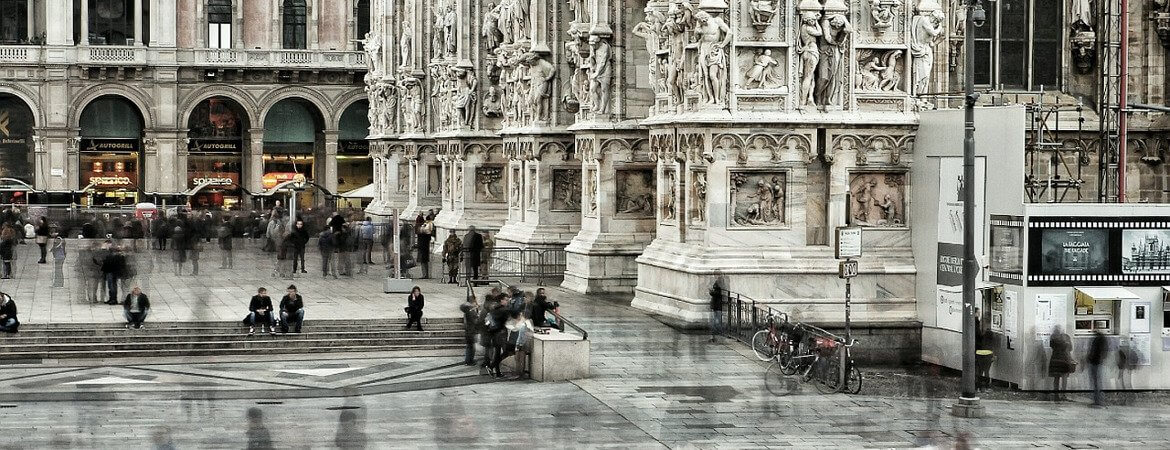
110	181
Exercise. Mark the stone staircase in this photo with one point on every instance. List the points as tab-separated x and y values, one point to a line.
169	339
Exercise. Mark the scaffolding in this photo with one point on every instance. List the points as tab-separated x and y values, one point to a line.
1112	31
1055	159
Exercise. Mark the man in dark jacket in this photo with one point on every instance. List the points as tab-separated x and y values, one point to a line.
8	321
499	335
541	308
300	238
336	222
486	330
326	246
113	265
470	310
716	292
135	308
424	248
292	308
474	244
225	245
260	310
414	308
1098	348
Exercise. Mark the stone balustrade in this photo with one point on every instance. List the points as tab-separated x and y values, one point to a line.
138	55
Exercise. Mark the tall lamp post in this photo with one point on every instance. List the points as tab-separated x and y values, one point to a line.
968	404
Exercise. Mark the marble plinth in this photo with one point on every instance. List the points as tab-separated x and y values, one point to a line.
603	262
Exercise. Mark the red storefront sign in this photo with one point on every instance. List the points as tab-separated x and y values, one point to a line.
271	179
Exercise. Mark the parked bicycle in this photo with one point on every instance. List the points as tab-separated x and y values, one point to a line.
815	357
774	340
831	382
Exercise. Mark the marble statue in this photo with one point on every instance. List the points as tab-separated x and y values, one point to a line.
699	197
831	69
435	185
403	177
648	30
457	187
580	9
493	102
541	74
491	30
450	31
466	84
926	30
761	73
678	30
758	198
404	44
591	192
669	195
1082	13
438	29
372	45
488	184
532	190
600	75
566	188
389	105
762	12
714	36
577	58
514	189
810	55
635	192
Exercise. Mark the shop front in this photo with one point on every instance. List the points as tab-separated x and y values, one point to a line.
293	140
215	153
110	172
16	149
355	168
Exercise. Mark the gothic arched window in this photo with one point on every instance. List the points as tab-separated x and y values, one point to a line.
219	23
295	35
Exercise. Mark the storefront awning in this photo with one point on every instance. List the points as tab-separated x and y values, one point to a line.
1107	293
367	191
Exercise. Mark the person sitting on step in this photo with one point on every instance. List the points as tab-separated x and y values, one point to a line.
260	311
292	309
8	321
135	308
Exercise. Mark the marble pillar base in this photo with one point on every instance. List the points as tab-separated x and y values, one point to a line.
674	280
527	235
459	221
603	262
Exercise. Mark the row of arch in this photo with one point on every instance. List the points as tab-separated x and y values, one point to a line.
256	111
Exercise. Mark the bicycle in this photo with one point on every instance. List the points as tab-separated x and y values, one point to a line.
771	341
780	376
830	380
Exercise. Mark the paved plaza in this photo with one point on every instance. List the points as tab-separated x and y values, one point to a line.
650	387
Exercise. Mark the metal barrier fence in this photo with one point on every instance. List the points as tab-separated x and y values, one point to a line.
743	317
538	265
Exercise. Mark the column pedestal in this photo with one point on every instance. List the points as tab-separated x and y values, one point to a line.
601	257
543	190
473	187
425	178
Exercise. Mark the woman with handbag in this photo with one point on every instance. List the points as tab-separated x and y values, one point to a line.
42	233
1061	364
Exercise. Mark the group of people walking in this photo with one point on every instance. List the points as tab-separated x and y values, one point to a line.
504	325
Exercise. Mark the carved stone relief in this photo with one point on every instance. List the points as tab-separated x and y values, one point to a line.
652	32
834	45
884	13
533	178
489	184
635	192
698	197
763	71
435	185
762	12
458	184
566	190
879	70
515	184
714	36
758	198
877	199
669	200
591	192
403	177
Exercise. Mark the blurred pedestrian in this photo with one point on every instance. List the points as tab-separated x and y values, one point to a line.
486	330
424	236
366	234
42	237
326	246
452	253
194	250
58	260
257	434
178	247
470	310
227	261
1098	349
474	244
342	237
7	250
1061	363
717	291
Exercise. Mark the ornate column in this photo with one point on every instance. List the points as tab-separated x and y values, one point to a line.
84	23
55	148
749	99
254	161
164	161
59	32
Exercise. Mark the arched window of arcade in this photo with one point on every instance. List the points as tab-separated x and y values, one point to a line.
354	168
214	152
111	151
16	148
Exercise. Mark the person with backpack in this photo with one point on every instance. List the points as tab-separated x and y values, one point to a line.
487	327
452	253
498	321
42	236
470	310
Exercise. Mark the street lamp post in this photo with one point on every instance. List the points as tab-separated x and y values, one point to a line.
968	404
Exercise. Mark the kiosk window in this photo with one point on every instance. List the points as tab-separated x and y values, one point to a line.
1095	314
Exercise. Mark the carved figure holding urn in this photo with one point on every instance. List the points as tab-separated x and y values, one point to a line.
926	30
491	30
810	55
649	30
762	12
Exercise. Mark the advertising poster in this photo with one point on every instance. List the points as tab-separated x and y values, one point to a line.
1050	312
1139	349
1145	251
1010	320
949	308
1074	252
1139	317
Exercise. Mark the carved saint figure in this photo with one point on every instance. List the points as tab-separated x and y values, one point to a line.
714	36
649	31
888	211
373	48
404	44
465	87
864	199
830	70
491	30
700	214
438	30
810	55
541	74
518	19
925	31
450	20
668	196
761	72
493	102
677	28
389	94
591	191
600	75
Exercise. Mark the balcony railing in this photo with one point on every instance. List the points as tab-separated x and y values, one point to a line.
233	58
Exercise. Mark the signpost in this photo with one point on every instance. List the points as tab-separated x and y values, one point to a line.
848	240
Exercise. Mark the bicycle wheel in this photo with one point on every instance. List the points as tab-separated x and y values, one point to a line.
790	367
776	382
828	380
853	385
761	345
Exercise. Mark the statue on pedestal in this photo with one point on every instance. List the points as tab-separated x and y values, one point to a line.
540	76
600	74
810	55
831	70
714	36
925	31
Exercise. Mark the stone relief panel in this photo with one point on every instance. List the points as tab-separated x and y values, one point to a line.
880	21
489	184
515	188
880	71
566	190
698	197
435	186
635	192
669	201
765	19
878	199
458	184
758	198
403	177
763	69
533	178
